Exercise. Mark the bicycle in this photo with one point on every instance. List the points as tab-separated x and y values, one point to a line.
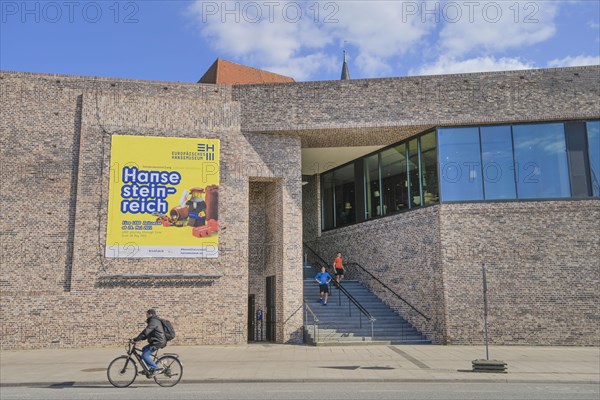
123	370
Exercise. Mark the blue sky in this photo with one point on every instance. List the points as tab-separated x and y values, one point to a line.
179	40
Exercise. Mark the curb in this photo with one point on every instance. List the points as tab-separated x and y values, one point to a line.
374	380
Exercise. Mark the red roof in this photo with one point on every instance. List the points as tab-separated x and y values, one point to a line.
229	73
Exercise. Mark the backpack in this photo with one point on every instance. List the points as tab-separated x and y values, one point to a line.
168	329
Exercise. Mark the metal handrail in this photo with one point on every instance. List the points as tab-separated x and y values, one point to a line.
391	291
311	312
359	306
375	278
343	290
315	319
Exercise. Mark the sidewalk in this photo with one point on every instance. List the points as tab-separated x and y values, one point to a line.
298	363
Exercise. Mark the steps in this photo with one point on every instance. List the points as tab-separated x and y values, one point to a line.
340	323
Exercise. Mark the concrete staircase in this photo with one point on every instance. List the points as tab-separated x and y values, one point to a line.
340	321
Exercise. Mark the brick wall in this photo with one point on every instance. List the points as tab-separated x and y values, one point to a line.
403	251
55	170
543	271
387	110
542	261
54	165
311	201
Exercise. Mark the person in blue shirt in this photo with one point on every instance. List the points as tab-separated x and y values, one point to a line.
323	278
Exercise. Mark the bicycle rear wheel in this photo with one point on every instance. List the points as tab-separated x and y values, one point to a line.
122	371
172	373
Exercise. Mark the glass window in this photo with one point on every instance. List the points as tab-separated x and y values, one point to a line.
429	176
498	165
460	164
394	180
345	200
413	174
593	136
327	200
541	161
372	189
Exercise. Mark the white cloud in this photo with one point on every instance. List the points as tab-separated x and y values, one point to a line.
490	26
574	61
471	37
380	30
302	68
450	65
376	31
263	37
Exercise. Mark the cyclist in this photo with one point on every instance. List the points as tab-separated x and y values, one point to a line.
156	339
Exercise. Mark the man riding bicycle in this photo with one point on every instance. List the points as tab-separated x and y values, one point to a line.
156	339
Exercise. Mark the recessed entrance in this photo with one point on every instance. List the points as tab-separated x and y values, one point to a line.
265	257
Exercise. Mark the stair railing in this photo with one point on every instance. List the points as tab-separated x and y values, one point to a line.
389	289
315	322
345	292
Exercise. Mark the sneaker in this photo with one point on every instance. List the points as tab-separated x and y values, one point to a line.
157	371
324	304
321	301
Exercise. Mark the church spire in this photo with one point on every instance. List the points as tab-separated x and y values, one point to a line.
345	72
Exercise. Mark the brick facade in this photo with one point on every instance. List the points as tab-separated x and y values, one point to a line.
55	166
55	171
383	111
403	251
542	262
543	270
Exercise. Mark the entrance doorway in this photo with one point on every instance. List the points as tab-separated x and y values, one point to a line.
265	257
251	318
271	317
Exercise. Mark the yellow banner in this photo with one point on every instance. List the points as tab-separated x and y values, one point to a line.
163	197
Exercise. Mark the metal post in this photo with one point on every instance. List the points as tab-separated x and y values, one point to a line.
349	308
485	311
372	333
305	330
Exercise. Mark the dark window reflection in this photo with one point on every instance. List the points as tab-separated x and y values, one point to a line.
394	180
413	174
429	167
372	189
345	205
327	200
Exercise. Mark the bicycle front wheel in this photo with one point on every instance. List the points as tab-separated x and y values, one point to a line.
172	373
122	371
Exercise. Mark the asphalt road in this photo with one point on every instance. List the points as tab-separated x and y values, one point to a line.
313	391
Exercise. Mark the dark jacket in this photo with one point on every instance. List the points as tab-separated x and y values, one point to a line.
154	333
